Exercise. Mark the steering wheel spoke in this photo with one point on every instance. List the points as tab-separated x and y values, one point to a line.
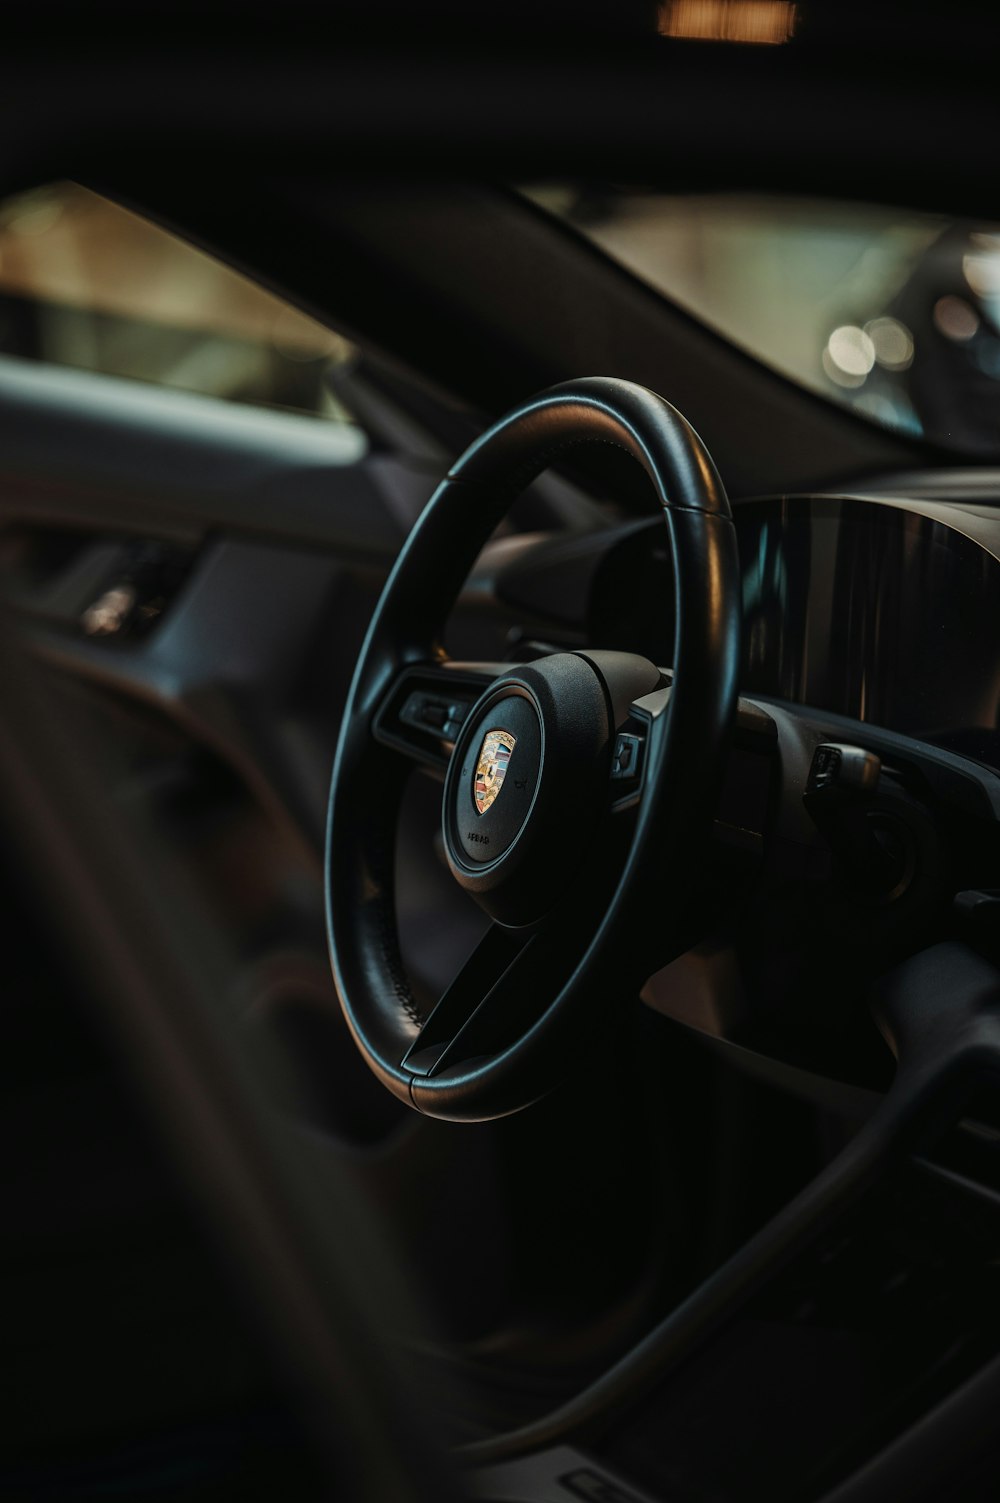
481	1005
422	713
503	988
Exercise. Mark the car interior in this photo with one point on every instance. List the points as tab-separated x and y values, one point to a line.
500	763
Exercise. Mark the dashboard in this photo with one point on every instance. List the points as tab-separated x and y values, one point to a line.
870	624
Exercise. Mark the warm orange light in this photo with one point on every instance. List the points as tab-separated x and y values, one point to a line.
764	22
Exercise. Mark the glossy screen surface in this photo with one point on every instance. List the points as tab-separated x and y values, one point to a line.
875	612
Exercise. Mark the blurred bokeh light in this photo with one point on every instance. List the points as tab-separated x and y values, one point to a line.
895	314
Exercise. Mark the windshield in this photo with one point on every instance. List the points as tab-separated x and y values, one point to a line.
893	314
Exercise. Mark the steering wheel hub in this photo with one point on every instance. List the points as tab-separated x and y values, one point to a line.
523	789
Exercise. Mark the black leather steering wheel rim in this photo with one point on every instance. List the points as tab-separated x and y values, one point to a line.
684	757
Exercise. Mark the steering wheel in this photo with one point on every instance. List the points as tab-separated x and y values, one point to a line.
578	788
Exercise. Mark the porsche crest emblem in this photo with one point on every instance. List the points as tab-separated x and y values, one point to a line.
491	769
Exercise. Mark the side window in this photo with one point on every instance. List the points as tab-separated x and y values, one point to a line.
86	283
